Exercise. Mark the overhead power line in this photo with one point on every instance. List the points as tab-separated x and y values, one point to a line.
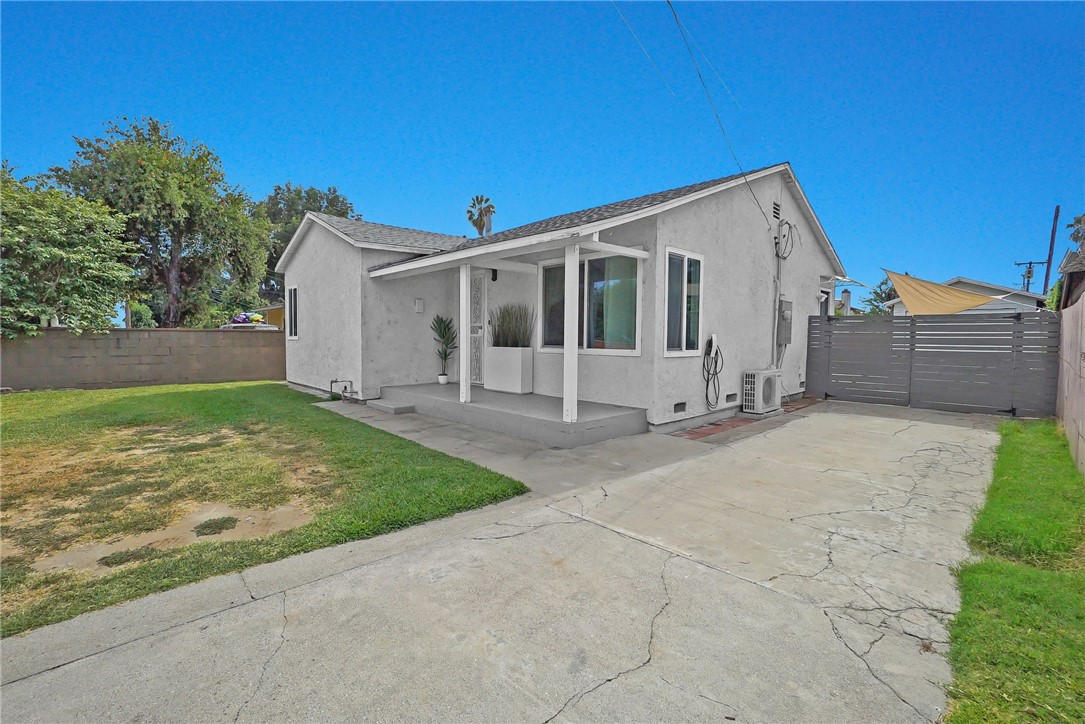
646	53
710	66
715	111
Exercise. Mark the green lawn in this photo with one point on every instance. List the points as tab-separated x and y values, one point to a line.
92	467
1018	649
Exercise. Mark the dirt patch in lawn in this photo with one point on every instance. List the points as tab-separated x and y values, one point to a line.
69	504
251	523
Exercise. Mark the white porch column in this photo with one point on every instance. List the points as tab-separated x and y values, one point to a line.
465	332
572	312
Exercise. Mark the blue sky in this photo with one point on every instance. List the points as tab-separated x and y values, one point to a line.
932	138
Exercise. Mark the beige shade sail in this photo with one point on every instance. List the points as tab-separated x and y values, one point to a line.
922	297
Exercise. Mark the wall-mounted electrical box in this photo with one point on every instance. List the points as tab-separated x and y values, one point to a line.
419	306
783	324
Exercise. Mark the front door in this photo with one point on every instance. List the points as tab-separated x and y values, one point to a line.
478	325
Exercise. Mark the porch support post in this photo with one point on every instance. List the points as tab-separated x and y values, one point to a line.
465	332
572	312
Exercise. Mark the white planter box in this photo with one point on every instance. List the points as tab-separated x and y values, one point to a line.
508	369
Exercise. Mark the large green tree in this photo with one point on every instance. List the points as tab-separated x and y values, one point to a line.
193	230
284	208
59	256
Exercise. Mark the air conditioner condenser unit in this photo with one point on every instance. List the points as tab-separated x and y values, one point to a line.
761	391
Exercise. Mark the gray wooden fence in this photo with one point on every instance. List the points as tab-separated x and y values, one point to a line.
992	363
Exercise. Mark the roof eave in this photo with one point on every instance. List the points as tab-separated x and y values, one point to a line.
309	219
448	259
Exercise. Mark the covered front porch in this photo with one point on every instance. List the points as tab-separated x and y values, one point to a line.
532	417
567	334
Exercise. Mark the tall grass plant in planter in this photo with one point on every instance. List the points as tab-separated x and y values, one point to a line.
444	334
509	357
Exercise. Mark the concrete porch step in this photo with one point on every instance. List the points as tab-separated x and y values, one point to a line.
392	408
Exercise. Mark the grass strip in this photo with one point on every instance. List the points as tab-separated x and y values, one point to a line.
1018	644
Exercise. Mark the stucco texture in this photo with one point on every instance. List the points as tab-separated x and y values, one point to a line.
328	274
737	292
356	327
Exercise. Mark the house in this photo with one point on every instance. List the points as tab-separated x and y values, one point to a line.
1004	299
656	277
1072	269
273	315
842	307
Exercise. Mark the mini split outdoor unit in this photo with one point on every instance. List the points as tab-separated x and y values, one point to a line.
761	391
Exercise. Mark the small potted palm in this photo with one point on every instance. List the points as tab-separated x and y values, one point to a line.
444	332
508	361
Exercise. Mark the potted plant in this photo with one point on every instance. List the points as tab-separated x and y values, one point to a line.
508	362
445	336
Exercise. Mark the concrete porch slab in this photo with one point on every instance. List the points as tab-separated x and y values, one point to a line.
531	417
546	470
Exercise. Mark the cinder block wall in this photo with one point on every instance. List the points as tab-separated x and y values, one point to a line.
131	357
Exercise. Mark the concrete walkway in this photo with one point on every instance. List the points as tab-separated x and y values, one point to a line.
802	574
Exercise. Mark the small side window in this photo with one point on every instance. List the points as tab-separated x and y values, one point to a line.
683	299
292	312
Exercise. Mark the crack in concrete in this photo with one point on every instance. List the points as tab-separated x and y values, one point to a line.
526	529
869	668
267	663
732	717
245	583
576	698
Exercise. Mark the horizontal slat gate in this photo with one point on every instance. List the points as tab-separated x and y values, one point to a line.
991	363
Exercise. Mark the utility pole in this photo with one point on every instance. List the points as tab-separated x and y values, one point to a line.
1027	275
1051	249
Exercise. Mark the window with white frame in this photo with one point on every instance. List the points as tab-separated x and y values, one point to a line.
683	302
607	291
292	312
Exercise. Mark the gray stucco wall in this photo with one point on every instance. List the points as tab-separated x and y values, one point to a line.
328	274
737	292
397	344
379	338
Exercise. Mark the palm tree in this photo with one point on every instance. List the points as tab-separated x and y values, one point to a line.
479	214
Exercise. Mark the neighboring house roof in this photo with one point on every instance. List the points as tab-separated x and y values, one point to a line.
1074	261
599	213
998	287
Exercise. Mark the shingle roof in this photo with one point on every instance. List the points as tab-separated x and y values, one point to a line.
1074	261
598	213
368	232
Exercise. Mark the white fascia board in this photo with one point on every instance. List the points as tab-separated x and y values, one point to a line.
480	256
826	245
635	252
308	220
513	247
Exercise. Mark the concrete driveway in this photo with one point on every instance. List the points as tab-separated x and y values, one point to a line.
801	574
